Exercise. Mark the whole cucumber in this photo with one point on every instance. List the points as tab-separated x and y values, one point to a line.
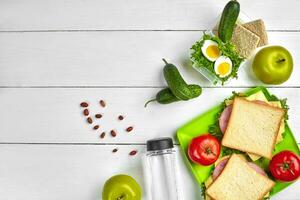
176	83
228	20
165	96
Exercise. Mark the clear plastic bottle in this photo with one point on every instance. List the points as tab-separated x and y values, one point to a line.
160	169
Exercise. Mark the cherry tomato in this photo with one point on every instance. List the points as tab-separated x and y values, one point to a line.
204	149
285	166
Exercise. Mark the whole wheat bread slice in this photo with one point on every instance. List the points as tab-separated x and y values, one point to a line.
244	40
258	28
253	127
238	181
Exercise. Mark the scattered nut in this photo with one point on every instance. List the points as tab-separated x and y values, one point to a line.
102	135
113	133
102	103
98	116
114	150
86	112
89	120
133	152
129	129
84	104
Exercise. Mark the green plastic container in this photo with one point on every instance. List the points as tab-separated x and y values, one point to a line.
200	125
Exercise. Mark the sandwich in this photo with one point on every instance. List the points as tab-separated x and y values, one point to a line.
279	106
260	97
248	127
253	127
239	179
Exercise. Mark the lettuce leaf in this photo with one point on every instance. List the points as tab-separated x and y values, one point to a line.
227	49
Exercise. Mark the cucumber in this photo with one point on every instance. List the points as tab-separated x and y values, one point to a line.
165	96
176	83
196	90
228	20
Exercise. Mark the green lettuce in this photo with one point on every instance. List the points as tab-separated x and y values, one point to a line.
227	49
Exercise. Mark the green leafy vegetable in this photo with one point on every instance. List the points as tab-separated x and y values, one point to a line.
215	131
228	151
227	49
203	189
283	103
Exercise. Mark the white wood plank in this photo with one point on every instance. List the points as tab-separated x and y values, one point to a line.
137	14
110	58
47	172
54	115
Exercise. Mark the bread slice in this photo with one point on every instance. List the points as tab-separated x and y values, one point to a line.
253	127
239	181
244	40
258	28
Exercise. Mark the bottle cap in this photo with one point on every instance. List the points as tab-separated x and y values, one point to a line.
159	144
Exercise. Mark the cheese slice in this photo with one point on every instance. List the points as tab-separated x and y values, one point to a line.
257	96
254	157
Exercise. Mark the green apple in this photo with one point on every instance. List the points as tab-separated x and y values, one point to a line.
273	65
121	187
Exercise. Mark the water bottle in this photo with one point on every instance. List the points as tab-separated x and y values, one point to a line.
160	170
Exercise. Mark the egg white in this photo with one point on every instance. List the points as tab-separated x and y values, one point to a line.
219	61
205	45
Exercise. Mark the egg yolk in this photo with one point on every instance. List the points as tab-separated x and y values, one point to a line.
213	51
223	68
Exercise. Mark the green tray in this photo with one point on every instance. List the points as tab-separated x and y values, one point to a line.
200	125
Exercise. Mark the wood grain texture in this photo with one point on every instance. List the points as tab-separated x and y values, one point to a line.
51	52
47	172
54	115
31	15
111	58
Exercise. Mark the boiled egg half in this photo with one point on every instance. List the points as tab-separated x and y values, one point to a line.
211	50
223	66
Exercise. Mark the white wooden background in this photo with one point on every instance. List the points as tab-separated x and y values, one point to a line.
55	54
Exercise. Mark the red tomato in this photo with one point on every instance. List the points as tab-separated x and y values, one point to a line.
204	149
285	166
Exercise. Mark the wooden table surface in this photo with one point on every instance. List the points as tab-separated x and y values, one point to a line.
55	54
